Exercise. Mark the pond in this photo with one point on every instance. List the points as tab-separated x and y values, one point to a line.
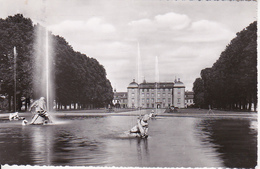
98	141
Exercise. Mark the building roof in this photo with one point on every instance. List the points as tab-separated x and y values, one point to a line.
189	95
133	84
165	85
179	83
120	95
154	85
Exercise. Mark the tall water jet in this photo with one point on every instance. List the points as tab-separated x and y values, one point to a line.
139	73
156	70
157	80
47	59
15	55
43	79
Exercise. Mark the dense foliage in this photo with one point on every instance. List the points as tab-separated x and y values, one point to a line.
231	83
78	79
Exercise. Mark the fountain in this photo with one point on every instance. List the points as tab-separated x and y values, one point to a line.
42	78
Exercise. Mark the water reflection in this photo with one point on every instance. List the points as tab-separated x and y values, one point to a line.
142	150
11	145
95	141
234	139
42	144
78	144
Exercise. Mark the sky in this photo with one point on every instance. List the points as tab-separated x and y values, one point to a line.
184	36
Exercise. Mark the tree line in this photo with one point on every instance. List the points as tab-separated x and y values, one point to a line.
78	79
231	83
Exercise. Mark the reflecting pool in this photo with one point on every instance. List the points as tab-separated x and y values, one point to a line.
99	141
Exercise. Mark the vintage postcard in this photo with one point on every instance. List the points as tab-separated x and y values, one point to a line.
133	83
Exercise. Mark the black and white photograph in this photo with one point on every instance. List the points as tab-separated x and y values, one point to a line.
128	83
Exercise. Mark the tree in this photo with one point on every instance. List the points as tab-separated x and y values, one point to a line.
77	77
231	83
198	88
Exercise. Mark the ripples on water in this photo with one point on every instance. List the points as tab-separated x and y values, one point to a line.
96	141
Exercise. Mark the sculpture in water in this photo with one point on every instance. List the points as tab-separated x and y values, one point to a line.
39	111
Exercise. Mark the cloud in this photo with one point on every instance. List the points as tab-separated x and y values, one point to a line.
206	31
172	20
168	22
142	25
179	28
141	22
93	25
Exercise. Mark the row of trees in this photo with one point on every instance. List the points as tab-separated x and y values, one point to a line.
78	79
231	83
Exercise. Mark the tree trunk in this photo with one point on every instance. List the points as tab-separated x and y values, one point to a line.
59	105
255	105
250	106
20	103
9	103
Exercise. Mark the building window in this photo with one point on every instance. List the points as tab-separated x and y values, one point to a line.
152	94
159	95
169	90
147	90
158	99
133	94
179	100
133	100
147	105
152	90
169	94
142	94
163	94
147	94
142	100
152	105
142	90
169	100
164	100
152	100
147	100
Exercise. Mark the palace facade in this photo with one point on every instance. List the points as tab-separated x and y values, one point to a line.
156	95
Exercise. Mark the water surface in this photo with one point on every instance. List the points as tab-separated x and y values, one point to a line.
98	141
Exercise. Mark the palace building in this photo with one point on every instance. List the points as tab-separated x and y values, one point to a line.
156	95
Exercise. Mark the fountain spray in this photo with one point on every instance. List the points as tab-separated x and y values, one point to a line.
47	69
15	55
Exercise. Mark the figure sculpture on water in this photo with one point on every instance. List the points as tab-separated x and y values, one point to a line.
152	114
141	129
14	116
39	111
